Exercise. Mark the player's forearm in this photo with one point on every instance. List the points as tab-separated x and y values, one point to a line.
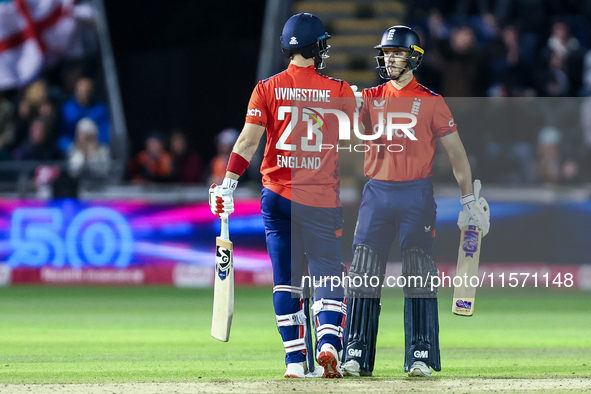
459	161
245	147
462	172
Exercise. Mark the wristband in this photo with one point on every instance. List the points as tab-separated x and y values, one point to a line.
229	183
237	164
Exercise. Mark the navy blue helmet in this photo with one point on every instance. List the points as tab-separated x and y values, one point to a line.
304	33
400	37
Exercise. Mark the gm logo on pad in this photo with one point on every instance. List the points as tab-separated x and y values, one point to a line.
355	352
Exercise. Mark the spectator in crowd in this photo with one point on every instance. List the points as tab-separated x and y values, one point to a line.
509	131
186	164
509	77
87	157
225	141
437	26
154	164
44	178
466	8
586	76
566	116
38	146
553	81
83	105
34	104
465	67
529	16
6	127
585	152
565	53
561	42
429	74
549	154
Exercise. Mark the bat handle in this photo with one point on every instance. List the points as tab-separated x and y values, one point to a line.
477	187
225	233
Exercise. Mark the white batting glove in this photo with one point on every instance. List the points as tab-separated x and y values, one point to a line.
358	97
476	210
221	198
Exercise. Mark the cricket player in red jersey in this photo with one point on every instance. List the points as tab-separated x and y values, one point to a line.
300	201
406	120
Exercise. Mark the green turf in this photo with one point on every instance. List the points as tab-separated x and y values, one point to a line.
75	335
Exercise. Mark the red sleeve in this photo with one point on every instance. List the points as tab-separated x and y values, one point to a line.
443	122
257	108
364	114
348	99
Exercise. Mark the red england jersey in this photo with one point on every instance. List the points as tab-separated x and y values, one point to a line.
301	169
409	152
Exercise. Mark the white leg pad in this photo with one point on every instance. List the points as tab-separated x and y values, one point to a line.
326	329
289	289
325	304
295	345
291	319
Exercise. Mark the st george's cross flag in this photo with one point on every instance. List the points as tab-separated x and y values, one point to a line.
33	33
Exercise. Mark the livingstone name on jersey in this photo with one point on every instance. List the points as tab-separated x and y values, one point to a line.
312	163
302	94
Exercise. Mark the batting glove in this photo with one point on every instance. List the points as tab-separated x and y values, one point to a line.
476	210
358	97
221	198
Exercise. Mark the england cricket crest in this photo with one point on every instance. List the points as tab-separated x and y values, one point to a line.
416	106
223	261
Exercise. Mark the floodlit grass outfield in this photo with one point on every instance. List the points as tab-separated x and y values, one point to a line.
91	335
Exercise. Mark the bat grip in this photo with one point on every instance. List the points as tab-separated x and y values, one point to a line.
477	187
225	233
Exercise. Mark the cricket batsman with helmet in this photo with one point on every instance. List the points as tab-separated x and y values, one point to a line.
300	201
398	199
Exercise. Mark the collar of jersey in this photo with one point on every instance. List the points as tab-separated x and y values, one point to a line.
293	67
411	85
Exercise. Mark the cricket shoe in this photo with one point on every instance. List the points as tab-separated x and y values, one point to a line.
352	368
328	358
419	369
296	370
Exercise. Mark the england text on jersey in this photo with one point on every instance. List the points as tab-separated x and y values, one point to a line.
312	163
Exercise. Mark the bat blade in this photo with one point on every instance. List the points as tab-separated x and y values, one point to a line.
223	296
468	259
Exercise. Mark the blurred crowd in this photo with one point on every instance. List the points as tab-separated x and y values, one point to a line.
507	48
170	159
58	120
516	74
43	123
51	122
514	49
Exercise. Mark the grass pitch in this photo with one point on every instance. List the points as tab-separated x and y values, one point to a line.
101	335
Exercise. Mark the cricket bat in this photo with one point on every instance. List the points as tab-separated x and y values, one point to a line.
468	259
223	295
